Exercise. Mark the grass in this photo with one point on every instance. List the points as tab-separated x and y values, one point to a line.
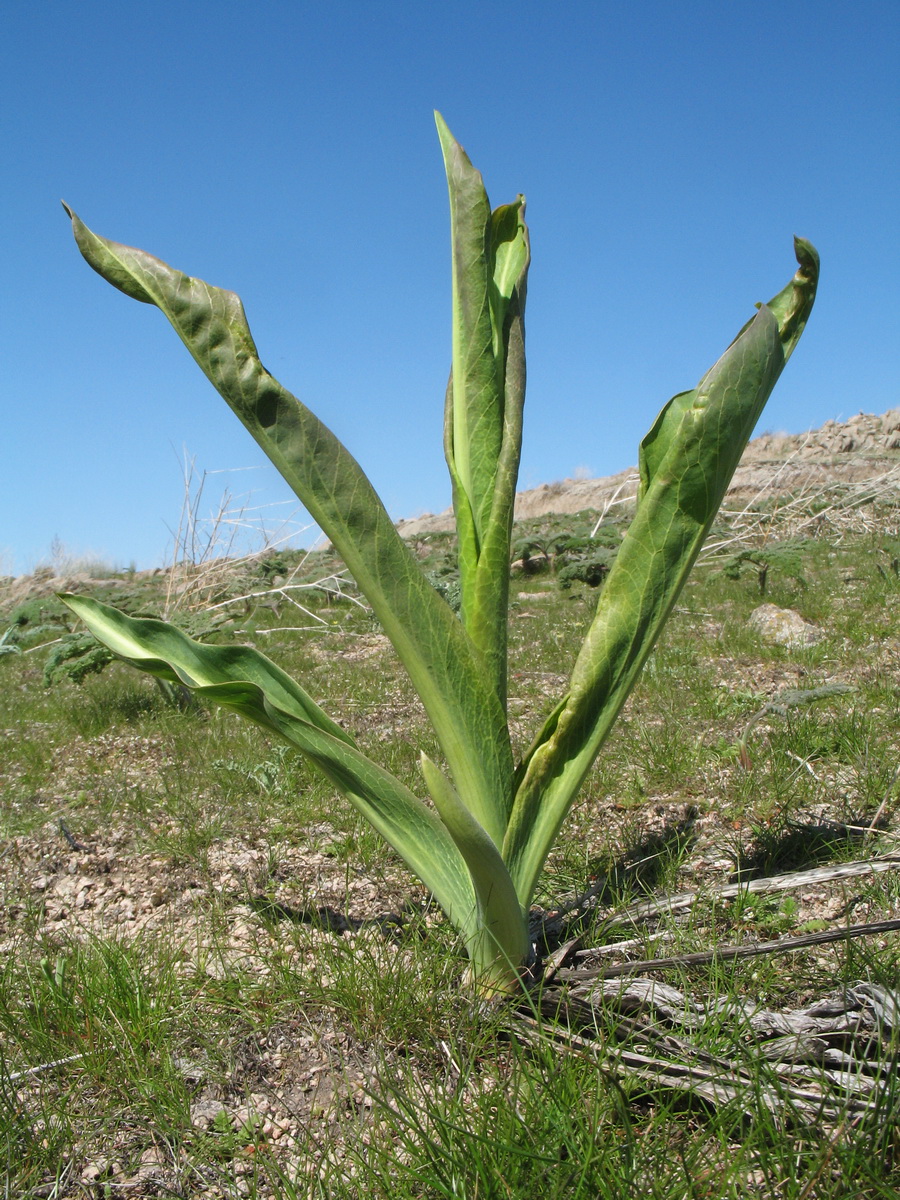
246	994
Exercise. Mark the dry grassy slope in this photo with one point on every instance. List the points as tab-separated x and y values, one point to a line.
864	447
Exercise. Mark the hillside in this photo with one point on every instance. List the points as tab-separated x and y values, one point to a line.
862	453
864	448
218	981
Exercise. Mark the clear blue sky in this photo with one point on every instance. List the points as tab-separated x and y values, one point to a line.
287	151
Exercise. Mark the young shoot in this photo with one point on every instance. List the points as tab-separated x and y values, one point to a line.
481	831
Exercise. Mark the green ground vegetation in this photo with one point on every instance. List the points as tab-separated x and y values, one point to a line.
246	993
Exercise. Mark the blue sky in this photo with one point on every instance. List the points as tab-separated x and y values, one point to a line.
287	151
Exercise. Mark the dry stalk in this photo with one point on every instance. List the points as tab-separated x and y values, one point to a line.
205	557
617	498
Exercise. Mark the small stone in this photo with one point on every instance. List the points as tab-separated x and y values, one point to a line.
246	1119
784	627
204	1112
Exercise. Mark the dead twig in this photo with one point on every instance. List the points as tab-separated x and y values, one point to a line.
725	953
683	901
48	1066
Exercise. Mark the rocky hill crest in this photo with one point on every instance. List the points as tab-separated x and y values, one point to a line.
864	447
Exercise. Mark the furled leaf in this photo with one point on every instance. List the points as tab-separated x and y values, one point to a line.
501	945
486	394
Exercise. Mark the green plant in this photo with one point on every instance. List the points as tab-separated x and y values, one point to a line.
75	656
590	567
482	846
7	642
585	558
31	625
785	557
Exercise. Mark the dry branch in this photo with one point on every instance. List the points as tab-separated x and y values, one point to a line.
725	953
682	901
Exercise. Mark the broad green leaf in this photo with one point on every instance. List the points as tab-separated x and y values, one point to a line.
168	653
486	394
447	670
687	460
250	684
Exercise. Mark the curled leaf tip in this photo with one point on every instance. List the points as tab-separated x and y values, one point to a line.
807	255
69	212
